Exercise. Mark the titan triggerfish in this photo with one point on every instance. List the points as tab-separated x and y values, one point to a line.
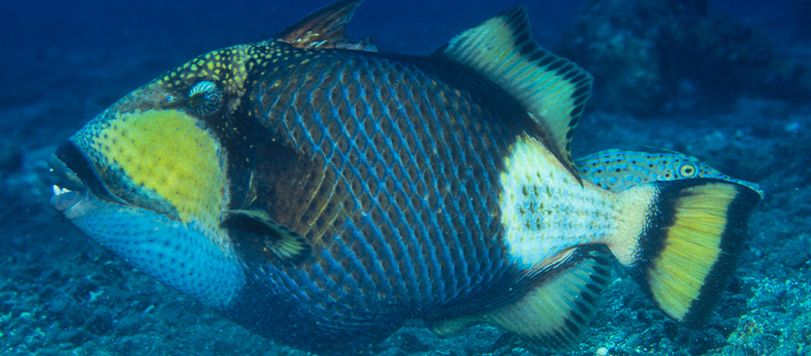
322	193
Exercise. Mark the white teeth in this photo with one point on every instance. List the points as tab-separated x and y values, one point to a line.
59	190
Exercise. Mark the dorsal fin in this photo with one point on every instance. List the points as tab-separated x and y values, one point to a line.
325	28
553	89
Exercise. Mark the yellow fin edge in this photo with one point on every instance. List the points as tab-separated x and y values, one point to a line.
685	253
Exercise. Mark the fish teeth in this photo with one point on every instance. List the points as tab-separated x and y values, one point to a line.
59	190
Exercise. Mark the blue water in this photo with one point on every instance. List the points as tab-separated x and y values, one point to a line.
739	102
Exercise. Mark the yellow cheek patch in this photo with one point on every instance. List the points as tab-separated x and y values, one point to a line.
166	152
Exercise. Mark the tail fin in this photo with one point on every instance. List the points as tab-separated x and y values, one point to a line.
680	240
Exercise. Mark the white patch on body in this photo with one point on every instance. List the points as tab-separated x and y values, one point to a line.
545	210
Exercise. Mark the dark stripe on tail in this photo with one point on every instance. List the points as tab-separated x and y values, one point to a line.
732	243
695	230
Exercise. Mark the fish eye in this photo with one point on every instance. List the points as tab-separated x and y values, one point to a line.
205	97
687	170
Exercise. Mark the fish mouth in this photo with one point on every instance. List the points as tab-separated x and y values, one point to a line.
75	178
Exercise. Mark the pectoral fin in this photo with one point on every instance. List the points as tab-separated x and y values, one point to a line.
258	234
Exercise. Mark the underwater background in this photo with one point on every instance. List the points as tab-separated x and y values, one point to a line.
726	81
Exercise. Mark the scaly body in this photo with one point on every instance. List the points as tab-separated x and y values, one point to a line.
321	193
416	192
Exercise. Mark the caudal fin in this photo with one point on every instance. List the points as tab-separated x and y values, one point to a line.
680	240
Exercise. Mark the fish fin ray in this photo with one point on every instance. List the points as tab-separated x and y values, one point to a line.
685	248
326	28
260	234
554	90
554	313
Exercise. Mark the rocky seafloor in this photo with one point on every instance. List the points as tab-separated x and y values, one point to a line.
62	293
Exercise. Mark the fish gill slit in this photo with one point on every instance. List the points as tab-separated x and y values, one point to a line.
308	203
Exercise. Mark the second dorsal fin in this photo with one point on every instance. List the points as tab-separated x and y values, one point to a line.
325	28
553	89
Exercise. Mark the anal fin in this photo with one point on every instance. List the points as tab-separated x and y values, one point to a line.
556	311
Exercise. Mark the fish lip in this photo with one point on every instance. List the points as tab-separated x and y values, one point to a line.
64	199
62	176
68	189
76	178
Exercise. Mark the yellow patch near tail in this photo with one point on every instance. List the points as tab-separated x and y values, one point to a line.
692	247
166	152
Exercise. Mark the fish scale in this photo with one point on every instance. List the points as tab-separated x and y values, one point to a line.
379	160
392	113
428	199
